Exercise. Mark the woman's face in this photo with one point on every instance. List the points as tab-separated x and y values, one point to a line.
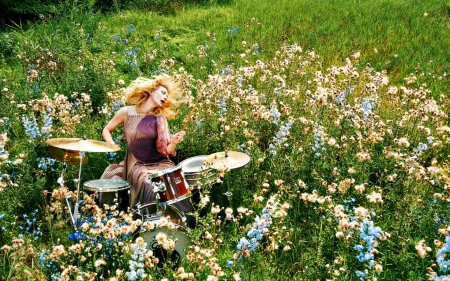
159	96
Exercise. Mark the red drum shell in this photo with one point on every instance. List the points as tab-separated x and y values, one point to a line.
175	183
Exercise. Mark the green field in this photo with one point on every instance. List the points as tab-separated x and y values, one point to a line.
342	107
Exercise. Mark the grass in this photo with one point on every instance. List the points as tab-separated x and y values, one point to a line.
341	106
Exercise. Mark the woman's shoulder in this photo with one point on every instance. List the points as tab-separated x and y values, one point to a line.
129	110
161	116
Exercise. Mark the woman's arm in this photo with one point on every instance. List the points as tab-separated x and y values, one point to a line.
118	119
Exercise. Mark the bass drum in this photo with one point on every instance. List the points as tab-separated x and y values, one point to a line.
149	213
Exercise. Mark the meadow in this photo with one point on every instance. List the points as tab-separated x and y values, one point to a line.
342	107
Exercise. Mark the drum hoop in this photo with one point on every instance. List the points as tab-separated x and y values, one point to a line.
165	171
178	199
177	227
88	187
192	159
154	203
212	171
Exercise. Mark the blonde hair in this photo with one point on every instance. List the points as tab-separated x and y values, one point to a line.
141	88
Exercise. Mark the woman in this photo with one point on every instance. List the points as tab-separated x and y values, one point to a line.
149	143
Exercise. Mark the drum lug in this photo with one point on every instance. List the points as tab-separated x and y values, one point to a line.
183	215
158	186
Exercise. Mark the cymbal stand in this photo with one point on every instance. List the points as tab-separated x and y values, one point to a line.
61	177
228	193
61	182
76	212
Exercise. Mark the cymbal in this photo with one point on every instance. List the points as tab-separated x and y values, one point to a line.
70	156
83	144
226	160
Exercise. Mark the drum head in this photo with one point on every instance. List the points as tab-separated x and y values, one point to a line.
176	234
194	164
148	213
106	185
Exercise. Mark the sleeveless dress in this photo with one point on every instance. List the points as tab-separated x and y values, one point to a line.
147	139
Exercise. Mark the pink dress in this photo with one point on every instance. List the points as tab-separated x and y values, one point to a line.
147	139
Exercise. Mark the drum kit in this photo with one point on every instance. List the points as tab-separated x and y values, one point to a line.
171	186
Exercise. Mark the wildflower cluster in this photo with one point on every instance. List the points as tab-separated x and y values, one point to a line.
31	227
21	255
367	106
131	57
231	31
31	127
141	259
129	30
3	152
136	264
369	235
442	261
319	141
281	137
45	163
259	230
57	111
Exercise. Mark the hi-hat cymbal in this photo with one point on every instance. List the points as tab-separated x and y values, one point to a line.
78	144
226	160
71	157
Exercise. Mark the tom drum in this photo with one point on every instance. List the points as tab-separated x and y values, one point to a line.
170	184
110	192
196	172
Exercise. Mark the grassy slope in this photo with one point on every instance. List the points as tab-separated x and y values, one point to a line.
392	35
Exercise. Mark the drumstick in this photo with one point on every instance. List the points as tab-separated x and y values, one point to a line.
188	118
120	138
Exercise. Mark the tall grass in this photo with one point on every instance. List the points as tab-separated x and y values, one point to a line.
341	105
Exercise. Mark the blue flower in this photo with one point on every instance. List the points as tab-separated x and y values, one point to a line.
222	107
360	274
368	233
443	264
367	106
232	30
421	148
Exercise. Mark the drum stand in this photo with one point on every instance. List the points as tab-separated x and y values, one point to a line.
157	188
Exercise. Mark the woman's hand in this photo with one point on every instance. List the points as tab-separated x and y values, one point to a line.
178	137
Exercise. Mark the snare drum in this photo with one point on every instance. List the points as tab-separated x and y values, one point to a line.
148	213
107	191
170	184
196	172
